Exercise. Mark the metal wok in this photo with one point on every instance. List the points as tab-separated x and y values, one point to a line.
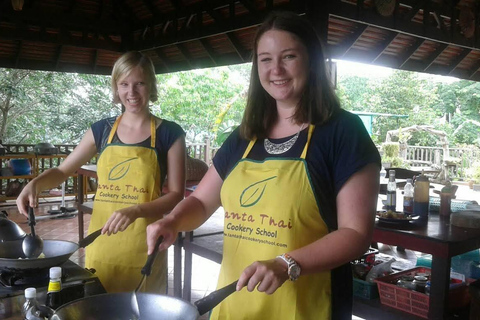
56	252
116	306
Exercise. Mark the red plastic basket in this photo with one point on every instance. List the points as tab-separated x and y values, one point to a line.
415	302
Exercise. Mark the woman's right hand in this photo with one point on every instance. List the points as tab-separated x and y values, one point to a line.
162	227
26	198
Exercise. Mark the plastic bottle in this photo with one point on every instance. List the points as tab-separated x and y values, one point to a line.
408	198
421	197
54	298
391	203
427	288
30	309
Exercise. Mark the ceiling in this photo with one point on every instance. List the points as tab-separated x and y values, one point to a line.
87	36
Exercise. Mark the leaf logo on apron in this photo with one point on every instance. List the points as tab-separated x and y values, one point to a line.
251	195
120	170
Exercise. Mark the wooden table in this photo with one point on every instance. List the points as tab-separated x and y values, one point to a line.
207	242
440	239
83	207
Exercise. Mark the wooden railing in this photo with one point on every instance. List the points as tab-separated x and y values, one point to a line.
460	159
29	148
203	151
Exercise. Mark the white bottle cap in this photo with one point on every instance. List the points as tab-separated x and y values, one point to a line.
55	272
30	293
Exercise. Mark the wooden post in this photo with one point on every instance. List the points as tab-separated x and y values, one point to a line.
207	151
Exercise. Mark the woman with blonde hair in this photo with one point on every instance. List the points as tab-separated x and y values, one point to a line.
137	150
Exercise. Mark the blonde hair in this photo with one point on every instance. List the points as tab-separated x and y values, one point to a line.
124	65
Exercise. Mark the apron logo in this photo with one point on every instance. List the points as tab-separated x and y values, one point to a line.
120	170
252	194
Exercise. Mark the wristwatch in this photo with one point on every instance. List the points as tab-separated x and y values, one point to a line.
293	267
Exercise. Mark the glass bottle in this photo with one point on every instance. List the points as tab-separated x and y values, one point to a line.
421	197
54	298
408	198
391	203
446	200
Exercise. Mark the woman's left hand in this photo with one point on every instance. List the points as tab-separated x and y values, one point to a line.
267	276
120	220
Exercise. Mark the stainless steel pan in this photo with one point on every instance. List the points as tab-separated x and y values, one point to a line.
56	252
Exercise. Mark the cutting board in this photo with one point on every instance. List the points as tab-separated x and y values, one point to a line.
466	219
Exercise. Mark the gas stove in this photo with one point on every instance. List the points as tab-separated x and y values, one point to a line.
77	282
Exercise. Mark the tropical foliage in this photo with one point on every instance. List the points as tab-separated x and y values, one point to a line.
52	107
453	107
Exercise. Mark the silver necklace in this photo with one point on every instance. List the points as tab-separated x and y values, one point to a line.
279	148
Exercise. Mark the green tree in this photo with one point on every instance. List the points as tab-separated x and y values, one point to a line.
196	98
51	107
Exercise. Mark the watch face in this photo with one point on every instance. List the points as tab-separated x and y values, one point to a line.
294	272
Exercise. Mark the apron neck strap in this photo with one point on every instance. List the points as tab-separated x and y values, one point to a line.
249	147
310	131
152	130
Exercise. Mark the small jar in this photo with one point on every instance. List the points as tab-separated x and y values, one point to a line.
406	282
420	282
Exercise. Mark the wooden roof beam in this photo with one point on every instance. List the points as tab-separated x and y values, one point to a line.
58	54
380	49
409	53
209	51
347	44
186	55
242	53
431	59
454	64
163	59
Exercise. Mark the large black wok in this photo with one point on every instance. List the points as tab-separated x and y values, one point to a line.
56	252
117	306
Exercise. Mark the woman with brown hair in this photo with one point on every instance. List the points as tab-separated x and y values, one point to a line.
298	182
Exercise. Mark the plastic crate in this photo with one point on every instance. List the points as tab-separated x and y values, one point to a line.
364	289
415	302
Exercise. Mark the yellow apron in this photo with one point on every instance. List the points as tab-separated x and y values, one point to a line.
127	175
270	208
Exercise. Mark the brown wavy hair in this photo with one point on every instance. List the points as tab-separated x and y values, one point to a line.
318	101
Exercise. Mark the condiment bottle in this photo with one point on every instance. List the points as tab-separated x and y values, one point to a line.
446	200
391	203
408	198
421	197
30	309
54	298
